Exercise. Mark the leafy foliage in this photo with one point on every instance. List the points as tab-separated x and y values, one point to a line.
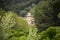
9	22
17	5
6	23
45	18
21	24
14	27
46	14
32	34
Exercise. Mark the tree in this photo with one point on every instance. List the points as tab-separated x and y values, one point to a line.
21	23
49	34
43	15
23	13
2	13
32	34
46	14
17	5
7	22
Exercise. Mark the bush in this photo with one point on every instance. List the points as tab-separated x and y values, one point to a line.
32	34
10	21
7	22
21	24
51	33
43	15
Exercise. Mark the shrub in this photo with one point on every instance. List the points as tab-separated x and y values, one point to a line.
5	26
21	24
32	34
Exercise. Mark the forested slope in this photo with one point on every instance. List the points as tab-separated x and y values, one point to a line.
17	5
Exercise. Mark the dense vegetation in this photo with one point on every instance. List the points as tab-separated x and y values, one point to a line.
46	14
19	6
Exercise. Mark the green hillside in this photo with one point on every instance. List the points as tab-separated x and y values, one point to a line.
17	5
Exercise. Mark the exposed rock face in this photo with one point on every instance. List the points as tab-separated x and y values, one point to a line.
29	19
